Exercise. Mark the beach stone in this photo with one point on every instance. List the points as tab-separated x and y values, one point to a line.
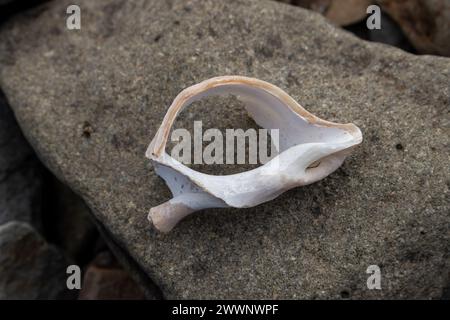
90	101
426	23
104	279
341	13
20	173
30	268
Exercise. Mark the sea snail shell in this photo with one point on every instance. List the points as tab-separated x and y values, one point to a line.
305	141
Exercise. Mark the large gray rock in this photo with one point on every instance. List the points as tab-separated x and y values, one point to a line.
30	268
20	173
90	101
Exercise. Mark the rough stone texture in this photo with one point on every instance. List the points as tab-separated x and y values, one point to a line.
91	100
20	173
29	267
425	22
105	280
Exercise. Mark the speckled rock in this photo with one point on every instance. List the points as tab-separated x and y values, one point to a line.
91	100
20	173
30	268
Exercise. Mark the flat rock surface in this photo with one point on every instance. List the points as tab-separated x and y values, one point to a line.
91	100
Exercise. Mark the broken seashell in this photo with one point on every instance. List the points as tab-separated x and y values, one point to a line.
310	149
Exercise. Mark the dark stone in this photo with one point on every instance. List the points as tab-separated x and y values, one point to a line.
20	173
104	279
30	268
67	221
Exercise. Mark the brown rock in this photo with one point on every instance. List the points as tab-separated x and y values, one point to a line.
106	280
339	12
425	22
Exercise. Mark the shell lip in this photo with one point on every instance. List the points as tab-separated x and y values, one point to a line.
156	150
157	146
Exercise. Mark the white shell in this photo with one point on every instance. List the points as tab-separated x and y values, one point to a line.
304	139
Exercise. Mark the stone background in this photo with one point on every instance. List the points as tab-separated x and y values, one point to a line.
89	102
